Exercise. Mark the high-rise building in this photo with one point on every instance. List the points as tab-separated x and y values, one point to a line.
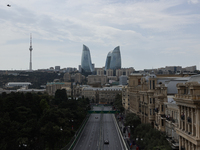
86	63
30	66
113	60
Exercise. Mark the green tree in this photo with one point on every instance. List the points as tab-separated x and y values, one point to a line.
118	102
151	138
44	105
133	121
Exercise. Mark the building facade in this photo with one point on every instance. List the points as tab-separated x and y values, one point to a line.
86	63
52	87
188	101
109	72
150	97
113	60
97	80
104	95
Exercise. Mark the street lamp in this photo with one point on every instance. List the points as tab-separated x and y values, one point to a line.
71	123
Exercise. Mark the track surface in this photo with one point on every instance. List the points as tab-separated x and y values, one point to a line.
90	137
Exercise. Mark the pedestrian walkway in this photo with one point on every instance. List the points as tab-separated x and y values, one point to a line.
125	131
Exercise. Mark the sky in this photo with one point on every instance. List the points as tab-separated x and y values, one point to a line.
150	33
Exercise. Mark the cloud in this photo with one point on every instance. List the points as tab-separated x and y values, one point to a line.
193	1
59	29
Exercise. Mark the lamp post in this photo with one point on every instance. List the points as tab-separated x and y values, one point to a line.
71	122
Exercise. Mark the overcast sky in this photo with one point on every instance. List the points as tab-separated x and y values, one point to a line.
150	33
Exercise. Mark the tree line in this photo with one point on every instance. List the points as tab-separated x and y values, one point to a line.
36	78
144	135
39	121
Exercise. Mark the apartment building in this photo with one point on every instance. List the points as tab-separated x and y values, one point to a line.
149	96
188	101
52	87
103	95
97	79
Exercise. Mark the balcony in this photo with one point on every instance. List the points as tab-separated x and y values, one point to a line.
156	110
169	118
189	120
182	117
163	116
175	145
186	96
173	121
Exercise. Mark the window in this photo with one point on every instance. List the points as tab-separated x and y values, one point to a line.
150	111
150	84
184	91
153	100
139	81
153	84
150	100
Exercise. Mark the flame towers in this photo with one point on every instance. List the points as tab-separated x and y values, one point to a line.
113	60
86	63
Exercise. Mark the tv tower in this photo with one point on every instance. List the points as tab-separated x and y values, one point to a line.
30	67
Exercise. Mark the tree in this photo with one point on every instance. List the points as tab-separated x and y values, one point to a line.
44	105
118	102
133	121
60	96
151	138
31	119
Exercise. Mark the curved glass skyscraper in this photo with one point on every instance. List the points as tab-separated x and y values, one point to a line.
113	60
86	63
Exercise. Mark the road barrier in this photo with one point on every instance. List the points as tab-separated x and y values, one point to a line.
124	142
105	112
128	146
73	141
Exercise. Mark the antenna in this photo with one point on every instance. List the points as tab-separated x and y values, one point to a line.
30	67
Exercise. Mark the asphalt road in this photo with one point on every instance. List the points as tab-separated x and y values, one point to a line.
110	133
90	137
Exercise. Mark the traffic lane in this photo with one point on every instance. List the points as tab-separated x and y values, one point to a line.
97	108
89	138
107	108
110	133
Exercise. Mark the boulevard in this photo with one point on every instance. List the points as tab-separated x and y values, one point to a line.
100	127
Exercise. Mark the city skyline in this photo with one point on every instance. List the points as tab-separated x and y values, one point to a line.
151	34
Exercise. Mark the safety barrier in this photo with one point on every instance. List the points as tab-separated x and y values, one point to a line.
73	141
110	112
